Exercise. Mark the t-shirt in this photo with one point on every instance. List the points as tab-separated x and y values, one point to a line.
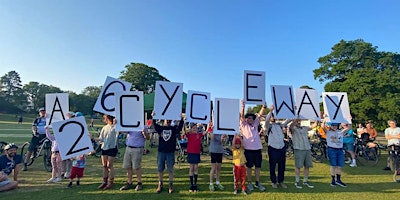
194	142
40	123
348	138
216	144
334	139
79	162
393	131
238	156
167	139
300	138
251	137
7	165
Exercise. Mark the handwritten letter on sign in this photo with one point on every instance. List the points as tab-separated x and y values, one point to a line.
129	111
254	87
72	136
168	100
226	118
307	104
106	101
57	106
336	107
198	107
283	100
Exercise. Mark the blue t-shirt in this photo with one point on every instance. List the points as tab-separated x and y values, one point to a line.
7	165
348	138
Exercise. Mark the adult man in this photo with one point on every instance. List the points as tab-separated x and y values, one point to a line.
392	134
135	142
38	134
302	151
276	149
252	145
334	139
166	151
8	163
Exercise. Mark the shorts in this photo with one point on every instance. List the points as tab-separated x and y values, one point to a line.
132	158
253	158
193	158
302	158
76	172
35	141
336	157
165	158
110	152
216	157
5	182
348	146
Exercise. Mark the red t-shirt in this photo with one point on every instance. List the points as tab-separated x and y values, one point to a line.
194	142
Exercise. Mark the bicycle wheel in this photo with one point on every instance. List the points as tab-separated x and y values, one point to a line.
316	153
24	151
368	157
47	159
396	173
289	151
392	162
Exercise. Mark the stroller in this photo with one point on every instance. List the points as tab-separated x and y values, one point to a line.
181	148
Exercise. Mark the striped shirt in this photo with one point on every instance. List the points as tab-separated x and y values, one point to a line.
300	138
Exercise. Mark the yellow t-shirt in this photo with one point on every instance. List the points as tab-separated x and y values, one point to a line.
238	157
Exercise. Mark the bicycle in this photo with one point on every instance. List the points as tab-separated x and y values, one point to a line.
45	146
318	150
394	161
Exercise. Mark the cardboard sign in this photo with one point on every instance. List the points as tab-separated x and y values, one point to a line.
307	104
198	107
283	101
57	107
106	101
129	111
226	119
336	107
72	136
254	87
168	100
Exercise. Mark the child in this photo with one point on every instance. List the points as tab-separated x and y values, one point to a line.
78	165
56	161
239	169
216	150
194	149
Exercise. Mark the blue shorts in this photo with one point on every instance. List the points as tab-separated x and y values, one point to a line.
336	157
165	158
5	182
348	146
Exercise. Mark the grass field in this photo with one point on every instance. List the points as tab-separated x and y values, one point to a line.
363	182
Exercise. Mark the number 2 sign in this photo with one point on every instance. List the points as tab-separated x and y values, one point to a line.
72	136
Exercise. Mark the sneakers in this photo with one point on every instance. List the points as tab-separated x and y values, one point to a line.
51	180
24	168
340	183
386	168
159	188
353	165
126	187
69	185
348	161
244	192
102	185
260	187
274	185
58	179
170	189
109	185
297	184
308	184
250	187
139	187
333	183
220	187
191	188
211	187
283	185
235	192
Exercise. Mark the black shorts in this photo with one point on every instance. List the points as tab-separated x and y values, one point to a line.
193	158
35	141
110	152
253	157
216	157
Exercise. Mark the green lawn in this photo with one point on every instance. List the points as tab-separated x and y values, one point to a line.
363	182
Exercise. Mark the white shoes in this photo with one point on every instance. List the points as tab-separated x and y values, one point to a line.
53	180
353	165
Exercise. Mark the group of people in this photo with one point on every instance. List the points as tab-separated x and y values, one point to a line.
247	153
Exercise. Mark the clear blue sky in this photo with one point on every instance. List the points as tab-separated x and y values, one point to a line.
204	44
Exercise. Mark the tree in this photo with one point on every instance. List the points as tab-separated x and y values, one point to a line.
11	90
370	77
82	103
142	77
92	91
37	93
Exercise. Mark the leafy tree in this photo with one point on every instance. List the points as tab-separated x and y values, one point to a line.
92	91
142	77
82	103
37	93
370	77
11	90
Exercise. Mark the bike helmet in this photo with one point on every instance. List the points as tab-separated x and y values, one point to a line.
78	114
10	146
42	109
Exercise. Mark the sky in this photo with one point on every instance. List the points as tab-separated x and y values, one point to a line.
204	44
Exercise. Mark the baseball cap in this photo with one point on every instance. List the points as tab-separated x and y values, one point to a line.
42	109
10	146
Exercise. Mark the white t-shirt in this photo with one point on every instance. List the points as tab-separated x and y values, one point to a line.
391	132
334	139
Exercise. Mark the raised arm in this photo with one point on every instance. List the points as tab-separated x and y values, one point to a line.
242	111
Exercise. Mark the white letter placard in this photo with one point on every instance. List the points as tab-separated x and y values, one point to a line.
336	107
254	87
226	118
57	107
129	111
72	136
283	100
106	101
307	104
198	107
168	100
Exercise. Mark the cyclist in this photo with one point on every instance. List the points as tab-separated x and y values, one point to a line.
9	162
38	134
392	134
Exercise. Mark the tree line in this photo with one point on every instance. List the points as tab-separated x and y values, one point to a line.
370	77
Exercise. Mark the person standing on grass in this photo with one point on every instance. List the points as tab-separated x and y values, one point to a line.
276	149
166	150
239	169
9	162
108	137
135	142
348	143
334	138
392	134
67	163
56	161
252	145
78	166
302	151
38	134
194	149
216	150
